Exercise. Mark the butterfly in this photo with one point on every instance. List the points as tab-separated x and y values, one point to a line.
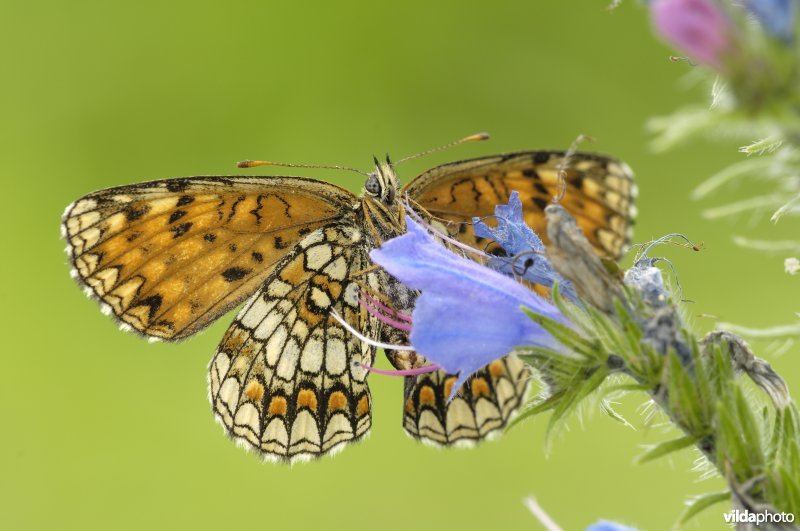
166	258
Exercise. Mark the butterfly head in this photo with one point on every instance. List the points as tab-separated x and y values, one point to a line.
382	184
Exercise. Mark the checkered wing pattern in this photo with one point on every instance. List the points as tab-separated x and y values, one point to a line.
284	381
599	191
166	258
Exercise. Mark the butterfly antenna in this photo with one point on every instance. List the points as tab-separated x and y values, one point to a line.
667	239
254	163
561	169
471	138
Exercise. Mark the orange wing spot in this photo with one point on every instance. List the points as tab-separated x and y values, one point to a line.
307	398
363	406
337	401
334	289
277	406
448	385
426	396
294	272
254	391
497	369
480	387
410	407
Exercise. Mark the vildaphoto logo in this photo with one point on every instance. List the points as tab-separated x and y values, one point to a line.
747	517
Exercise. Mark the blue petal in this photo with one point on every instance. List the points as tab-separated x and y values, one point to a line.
776	16
511	232
605	525
524	249
467	315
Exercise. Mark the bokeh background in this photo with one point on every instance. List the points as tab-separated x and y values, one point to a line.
105	431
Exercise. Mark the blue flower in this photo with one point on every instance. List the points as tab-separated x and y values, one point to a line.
525	256
605	525
776	16
663	329
467	315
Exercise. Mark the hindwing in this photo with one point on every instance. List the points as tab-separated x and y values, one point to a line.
284	380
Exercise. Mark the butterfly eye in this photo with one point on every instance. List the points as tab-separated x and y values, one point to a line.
373	186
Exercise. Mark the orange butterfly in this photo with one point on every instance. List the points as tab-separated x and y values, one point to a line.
166	258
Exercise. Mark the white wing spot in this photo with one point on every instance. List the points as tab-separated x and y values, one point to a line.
266	326
320	298
278	288
335	357
318	256
275	345
311	359
288	362
337	270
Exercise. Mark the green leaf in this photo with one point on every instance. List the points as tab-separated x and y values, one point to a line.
606	408
571	311
682	396
533	408
577	393
608	333
668	447
535	356
763	146
703	502
747	167
788	493
627	388
563	334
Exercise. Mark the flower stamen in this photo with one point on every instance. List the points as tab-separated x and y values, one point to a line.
378	304
400	325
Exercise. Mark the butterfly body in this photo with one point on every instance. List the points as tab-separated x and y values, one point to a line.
167	258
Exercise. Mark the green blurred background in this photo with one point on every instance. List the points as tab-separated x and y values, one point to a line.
106	431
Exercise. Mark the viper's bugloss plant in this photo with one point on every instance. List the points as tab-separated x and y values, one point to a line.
747	51
621	333
524	256
637	333
700	28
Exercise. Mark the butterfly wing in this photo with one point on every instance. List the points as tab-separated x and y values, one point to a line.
599	192
283	381
480	409
166	258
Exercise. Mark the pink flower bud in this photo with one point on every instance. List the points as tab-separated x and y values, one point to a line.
699	28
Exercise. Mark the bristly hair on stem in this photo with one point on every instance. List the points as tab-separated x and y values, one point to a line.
621	330
747	53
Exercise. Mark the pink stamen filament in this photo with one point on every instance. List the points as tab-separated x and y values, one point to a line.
365	339
405	327
404	372
378	304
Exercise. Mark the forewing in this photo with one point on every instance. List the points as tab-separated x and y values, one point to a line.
168	257
599	192
283	381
